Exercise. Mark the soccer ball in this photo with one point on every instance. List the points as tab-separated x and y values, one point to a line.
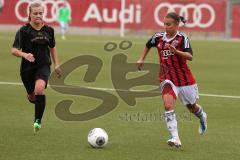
97	138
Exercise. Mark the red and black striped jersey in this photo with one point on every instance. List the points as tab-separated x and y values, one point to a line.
172	67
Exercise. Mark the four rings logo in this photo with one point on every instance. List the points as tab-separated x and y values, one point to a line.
196	11
198	15
51	8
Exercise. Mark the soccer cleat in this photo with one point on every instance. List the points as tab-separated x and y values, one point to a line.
174	142
203	124
36	126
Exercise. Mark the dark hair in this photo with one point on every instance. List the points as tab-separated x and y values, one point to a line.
32	5
176	17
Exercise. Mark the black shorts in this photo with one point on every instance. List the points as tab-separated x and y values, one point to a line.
29	77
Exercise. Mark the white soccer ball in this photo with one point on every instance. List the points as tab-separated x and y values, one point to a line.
97	138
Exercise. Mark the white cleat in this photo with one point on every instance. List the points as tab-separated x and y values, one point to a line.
174	142
203	124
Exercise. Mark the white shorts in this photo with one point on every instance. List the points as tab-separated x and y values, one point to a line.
187	94
63	25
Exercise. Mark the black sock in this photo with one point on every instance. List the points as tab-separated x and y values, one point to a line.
40	102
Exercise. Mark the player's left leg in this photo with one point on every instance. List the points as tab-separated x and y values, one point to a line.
40	103
197	110
189	95
42	75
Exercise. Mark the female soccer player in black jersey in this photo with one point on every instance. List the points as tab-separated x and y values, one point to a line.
35	44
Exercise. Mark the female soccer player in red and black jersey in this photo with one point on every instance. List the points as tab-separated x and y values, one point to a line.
176	79
34	43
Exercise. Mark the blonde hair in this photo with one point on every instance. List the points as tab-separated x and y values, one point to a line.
33	5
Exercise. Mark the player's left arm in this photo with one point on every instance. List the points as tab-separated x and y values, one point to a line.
55	59
186	50
186	55
54	55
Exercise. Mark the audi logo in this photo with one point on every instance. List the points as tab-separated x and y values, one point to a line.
185	10
51	8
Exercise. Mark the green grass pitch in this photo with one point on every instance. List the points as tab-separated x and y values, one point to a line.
216	69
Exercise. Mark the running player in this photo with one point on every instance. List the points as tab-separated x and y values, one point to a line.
176	79
64	17
34	43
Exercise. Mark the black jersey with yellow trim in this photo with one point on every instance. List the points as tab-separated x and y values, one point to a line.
36	42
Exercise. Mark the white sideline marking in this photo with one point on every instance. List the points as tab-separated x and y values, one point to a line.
82	41
111	89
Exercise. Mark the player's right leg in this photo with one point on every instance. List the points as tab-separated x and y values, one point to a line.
169	100
31	97
29	84
28	80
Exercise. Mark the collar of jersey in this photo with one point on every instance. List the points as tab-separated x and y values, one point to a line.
35	28
169	39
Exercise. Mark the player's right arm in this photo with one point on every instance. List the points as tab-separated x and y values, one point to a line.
16	49
152	42
141	60
18	53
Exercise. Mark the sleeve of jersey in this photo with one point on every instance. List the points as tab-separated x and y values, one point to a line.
153	41
18	40
52	42
186	46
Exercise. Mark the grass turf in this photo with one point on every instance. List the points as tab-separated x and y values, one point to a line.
215	66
